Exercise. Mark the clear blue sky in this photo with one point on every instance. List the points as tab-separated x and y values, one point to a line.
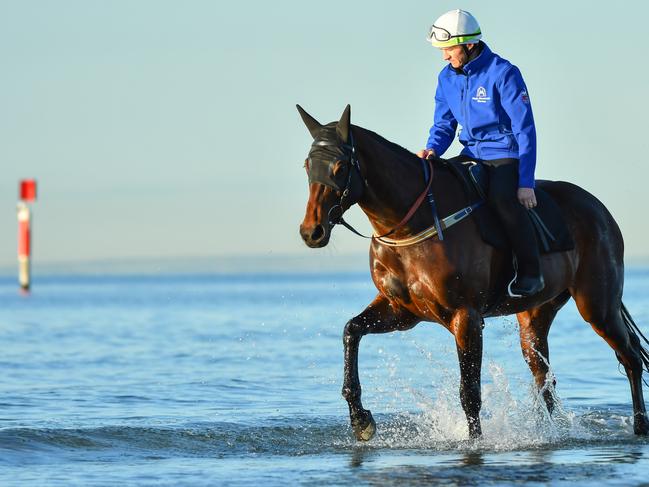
167	128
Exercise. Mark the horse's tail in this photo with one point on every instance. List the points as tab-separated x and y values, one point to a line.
635	331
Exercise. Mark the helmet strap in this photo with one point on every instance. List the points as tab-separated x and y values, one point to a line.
467	53
472	53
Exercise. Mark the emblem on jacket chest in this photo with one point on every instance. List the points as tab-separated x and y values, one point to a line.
481	95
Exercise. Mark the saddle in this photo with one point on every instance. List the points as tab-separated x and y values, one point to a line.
552	234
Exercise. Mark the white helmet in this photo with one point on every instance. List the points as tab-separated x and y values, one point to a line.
454	28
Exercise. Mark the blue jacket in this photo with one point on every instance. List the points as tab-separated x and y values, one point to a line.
489	100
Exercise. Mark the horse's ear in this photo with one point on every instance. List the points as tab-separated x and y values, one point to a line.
311	123
342	128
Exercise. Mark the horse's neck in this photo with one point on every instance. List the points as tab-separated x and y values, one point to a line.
393	182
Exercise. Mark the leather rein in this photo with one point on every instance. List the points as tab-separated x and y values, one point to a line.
403	221
322	174
335	214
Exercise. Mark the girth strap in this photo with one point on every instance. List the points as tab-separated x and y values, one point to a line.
430	231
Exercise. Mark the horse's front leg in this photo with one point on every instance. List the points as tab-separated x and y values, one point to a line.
467	328
378	317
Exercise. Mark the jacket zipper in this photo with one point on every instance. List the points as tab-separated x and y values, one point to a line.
467	108
464	95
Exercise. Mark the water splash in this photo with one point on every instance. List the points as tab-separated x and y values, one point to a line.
513	418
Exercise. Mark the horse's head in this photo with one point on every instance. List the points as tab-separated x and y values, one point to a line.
334	177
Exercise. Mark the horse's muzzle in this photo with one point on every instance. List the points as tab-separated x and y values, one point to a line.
315	236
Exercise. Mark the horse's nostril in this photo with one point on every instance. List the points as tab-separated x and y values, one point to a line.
318	233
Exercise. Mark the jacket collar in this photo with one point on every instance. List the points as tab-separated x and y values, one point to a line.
478	62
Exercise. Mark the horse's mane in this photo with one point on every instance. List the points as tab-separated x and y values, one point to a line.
401	152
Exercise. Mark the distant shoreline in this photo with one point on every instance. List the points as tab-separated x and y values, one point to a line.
314	262
317	261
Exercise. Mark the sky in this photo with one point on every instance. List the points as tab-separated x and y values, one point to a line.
163	128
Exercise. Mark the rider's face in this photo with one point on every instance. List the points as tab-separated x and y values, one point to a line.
455	55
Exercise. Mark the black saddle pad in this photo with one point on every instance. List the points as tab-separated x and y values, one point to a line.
552	233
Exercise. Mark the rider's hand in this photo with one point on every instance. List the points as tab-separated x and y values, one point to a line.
426	153
526	197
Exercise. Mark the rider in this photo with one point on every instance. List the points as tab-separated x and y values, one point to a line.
487	96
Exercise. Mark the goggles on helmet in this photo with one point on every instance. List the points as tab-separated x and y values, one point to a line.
442	35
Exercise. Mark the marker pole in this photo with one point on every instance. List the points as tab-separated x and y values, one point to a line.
24	246
27	193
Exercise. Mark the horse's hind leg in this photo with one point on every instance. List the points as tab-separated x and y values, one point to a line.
605	316
378	317
534	328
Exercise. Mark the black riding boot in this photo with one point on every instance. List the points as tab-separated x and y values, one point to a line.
528	279
503	187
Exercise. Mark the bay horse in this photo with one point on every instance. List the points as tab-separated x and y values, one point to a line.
458	281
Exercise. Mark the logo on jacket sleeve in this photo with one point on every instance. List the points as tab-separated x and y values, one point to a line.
525	97
481	95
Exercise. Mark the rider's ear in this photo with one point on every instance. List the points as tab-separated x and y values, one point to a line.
343	124
311	123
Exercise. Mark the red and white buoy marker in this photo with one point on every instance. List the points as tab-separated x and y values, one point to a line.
27	195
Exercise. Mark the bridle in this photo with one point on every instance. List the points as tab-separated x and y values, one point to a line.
354	186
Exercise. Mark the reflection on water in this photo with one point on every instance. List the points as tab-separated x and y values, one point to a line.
598	464
473	458
358	456
620	463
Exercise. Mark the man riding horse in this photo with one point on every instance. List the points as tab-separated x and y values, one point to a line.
487	96
458	281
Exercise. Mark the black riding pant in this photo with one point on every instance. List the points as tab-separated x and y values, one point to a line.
502	197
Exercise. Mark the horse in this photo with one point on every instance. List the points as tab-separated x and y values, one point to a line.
457	281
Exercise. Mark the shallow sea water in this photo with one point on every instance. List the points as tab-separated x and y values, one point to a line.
235	380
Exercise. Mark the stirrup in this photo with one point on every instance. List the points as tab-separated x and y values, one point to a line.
528	286
509	287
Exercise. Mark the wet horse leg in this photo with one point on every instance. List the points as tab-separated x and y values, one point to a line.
378	317
605	316
466	325
534	327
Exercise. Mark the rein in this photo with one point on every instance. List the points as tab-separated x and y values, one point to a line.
403	221
335	214
432	231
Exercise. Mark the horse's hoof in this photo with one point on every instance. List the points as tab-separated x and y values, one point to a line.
641	425
364	429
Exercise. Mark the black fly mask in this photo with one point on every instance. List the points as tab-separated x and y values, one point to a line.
334	143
